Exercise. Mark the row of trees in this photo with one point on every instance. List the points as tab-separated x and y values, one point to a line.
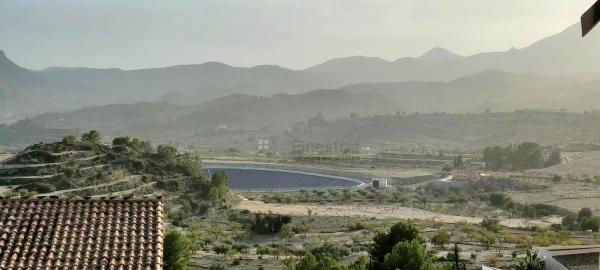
584	220
527	155
91	137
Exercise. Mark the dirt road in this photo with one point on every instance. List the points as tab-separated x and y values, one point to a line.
379	212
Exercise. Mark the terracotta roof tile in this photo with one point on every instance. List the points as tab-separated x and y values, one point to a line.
56	233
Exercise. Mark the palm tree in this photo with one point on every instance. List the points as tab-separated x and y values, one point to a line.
531	261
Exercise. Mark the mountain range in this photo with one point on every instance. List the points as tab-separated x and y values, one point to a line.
25	92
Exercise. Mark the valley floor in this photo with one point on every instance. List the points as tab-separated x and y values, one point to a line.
382	212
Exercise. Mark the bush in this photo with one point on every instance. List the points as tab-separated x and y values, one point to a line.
440	239
585	213
356	226
215	266
222	248
556	178
269	223
570	222
592	223
329	249
40	187
498	199
262	250
491	224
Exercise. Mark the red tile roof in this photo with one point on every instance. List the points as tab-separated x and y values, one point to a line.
58	233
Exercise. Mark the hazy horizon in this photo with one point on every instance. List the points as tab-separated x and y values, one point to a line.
37	35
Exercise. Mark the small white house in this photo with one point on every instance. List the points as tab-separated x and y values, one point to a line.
379	182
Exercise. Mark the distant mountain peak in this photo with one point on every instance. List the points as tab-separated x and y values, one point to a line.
5	62
3	57
439	53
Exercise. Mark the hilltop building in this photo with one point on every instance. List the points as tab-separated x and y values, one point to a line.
58	233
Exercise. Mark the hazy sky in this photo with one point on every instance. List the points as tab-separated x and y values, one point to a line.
290	33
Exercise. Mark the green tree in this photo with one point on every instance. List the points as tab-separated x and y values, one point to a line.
222	248
307	262
262	250
498	199
241	248
329	263
456	265
190	164
385	242
585	212
167	152
121	141
361	264
176	252
287	232
528	155
554	158
592	223
310	262
329	249
491	224
218	190
219	179
486	238
440	239
531	261
69	139
92	137
411	255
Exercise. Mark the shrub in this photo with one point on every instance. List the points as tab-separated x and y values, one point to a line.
262	250
491	224
356	226
498	199
40	187
440	239
329	249
269	223
592	223
215	266
222	248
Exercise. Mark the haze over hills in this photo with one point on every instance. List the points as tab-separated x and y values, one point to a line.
560	54
170	122
494	90
241	113
25	92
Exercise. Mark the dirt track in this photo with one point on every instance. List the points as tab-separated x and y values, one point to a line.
379	212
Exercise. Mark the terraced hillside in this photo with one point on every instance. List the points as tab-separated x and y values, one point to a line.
74	168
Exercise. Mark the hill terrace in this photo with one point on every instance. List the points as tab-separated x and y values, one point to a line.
90	233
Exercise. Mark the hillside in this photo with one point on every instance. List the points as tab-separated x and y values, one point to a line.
203	81
494	90
453	131
165	122
238	117
25	92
